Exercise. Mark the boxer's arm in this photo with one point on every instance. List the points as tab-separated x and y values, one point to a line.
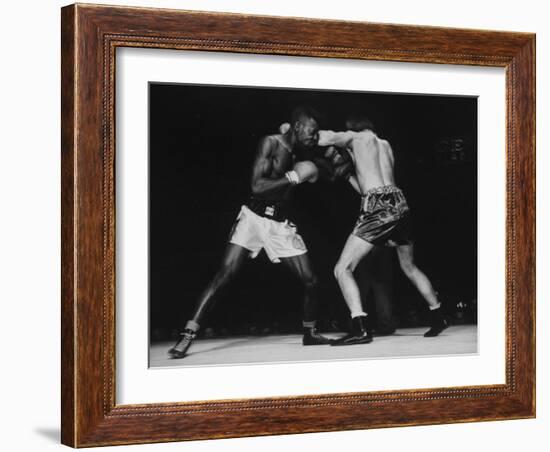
261	183
333	171
343	170
344	166
340	139
333	164
352	179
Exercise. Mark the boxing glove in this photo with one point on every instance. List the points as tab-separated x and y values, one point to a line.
305	171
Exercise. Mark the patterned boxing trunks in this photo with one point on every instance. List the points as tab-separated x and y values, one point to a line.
384	219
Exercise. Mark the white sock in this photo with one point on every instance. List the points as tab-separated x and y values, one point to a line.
192	325
433	308
358	314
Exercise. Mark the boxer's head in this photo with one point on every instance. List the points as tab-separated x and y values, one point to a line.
359	123
305	125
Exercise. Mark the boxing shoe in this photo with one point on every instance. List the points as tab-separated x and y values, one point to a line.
437	323
312	337
360	333
184	342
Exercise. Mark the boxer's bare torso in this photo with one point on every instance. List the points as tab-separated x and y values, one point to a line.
282	157
273	159
373	157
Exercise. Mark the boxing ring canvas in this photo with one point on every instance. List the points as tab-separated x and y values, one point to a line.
164	116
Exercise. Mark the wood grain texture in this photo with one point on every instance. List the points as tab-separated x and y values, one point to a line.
90	36
68	310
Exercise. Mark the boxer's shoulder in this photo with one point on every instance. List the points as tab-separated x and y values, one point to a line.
272	140
268	143
275	137
278	143
366	135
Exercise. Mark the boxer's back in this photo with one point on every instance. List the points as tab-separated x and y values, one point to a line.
373	161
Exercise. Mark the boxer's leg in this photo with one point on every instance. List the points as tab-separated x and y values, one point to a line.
232	261
364	277
424	286
302	268
416	276
355	249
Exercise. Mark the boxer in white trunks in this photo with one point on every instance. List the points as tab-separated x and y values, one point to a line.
263	224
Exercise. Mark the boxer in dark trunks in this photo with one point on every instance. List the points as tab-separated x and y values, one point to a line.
384	220
262	223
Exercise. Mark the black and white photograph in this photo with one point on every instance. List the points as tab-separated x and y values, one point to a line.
292	225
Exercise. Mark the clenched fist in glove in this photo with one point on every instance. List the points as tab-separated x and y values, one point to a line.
305	171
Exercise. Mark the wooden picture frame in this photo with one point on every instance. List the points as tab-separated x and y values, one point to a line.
90	36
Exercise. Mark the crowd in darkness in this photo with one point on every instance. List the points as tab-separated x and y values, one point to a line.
202	141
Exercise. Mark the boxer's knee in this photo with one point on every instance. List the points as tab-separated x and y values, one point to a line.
341	268
309	281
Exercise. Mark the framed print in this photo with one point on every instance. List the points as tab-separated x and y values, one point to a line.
281	225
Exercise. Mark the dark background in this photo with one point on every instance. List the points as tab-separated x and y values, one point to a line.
202	143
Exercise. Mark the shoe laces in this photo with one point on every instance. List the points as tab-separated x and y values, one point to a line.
185	337
315	333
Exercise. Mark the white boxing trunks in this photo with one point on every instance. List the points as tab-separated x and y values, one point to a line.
278	239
